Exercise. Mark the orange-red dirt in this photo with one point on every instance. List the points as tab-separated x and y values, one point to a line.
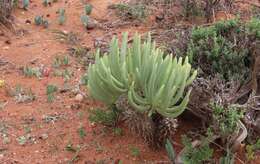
47	141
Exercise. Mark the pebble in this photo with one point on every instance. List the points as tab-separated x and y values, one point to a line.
44	136
79	97
6	48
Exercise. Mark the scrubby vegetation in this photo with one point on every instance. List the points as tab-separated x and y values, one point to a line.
183	81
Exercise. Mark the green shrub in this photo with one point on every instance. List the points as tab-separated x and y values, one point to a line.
253	27
153	83
224	27
219	49
226	119
106	117
251	150
131	11
197	155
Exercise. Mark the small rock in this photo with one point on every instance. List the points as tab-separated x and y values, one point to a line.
6	140
92	23
44	136
6	48
46	71
79	97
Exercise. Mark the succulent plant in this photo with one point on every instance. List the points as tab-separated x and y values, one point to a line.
85	20
26	4
38	20
45	23
88	9
108	76
45	3
153	83
62	17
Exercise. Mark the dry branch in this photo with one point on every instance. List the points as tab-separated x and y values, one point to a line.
5	13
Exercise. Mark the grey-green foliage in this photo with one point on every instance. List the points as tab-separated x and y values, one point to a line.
88	9
226	119
136	11
106	117
153	83
220	49
50	90
252	149
45	3
62	17
85	20
170	150
32	71
253	27
197	155
26	4
38	20
228	159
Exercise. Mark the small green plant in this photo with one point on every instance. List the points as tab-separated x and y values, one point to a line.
106	117
26	4
88	9
84	79
22	95
22	140
197	155
135	152
226	119
228	159
45	3
27	129
67	37
81	131
62	17
131	11
251	149
38	20
15	3
60	61
118	131
69	147
85	20
67	74
32	72
45	23
170	150
253	27
50	90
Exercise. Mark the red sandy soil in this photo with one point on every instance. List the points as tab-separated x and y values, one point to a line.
39	45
